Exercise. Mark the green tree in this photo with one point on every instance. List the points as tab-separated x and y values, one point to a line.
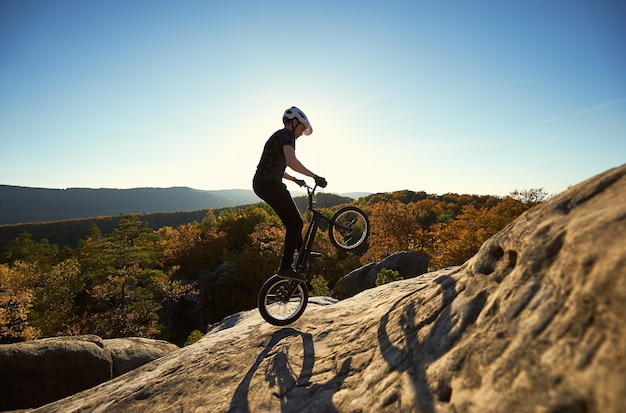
496	218
23	248
127	284
54	312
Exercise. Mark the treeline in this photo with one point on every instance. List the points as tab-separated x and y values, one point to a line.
133	280
68	233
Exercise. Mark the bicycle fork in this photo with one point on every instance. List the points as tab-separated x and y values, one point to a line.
287	291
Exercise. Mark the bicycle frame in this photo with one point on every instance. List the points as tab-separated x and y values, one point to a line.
309	238
307	245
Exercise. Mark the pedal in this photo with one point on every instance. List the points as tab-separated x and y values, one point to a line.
315	255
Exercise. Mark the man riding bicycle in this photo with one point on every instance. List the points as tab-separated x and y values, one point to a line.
279	153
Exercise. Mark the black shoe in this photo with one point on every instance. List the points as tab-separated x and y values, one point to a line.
290	274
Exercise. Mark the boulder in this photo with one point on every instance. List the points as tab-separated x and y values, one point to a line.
129	353
37	372
408	265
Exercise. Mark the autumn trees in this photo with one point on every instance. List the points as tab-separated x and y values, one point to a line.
113	285
116	284
16	297
448	229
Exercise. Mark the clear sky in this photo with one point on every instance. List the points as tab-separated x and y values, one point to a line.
472	96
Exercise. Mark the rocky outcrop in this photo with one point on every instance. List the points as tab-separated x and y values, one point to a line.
129	353
37	372
533	323
407	264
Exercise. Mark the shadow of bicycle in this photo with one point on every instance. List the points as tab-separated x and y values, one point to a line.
439	329
280	387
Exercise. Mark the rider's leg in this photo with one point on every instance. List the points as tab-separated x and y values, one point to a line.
279	198
292	220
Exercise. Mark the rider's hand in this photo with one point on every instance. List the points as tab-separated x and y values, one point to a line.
300	182
321	182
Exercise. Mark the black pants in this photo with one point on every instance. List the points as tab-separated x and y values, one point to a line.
275	193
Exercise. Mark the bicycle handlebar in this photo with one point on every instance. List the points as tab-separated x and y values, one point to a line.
302	183
321	183
309	190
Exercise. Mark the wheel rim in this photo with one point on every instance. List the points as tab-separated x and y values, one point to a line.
352	230
278	307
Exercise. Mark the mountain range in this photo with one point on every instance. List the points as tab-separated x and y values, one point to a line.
26	205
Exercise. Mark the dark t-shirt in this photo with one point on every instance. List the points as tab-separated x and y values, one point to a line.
272	165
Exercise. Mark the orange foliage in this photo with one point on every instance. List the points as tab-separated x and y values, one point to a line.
193	248
448	229
458	240
16	295
394	228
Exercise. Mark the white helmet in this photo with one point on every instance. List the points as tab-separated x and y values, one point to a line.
294	112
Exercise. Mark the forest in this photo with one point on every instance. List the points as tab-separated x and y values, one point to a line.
172	282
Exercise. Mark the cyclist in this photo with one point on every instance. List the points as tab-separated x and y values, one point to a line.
279	153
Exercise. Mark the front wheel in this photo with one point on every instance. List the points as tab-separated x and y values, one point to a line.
349	228
282	301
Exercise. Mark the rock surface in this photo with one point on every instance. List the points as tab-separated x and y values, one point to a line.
533	323
37	372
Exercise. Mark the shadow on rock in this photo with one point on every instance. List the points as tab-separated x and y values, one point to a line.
293	391
417	354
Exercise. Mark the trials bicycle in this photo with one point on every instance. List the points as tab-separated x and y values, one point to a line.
282	301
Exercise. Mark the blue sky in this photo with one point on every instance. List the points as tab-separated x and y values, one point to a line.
479	97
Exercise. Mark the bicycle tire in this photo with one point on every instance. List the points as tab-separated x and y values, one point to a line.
273	305
349	228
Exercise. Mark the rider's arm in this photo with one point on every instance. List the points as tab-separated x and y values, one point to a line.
294	163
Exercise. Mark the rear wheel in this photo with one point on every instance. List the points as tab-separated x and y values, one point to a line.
349	228
282	301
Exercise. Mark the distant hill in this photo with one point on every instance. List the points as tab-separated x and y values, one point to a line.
29	205
68	232
24	205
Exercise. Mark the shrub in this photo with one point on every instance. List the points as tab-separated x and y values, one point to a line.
319	286
386	276
193	337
